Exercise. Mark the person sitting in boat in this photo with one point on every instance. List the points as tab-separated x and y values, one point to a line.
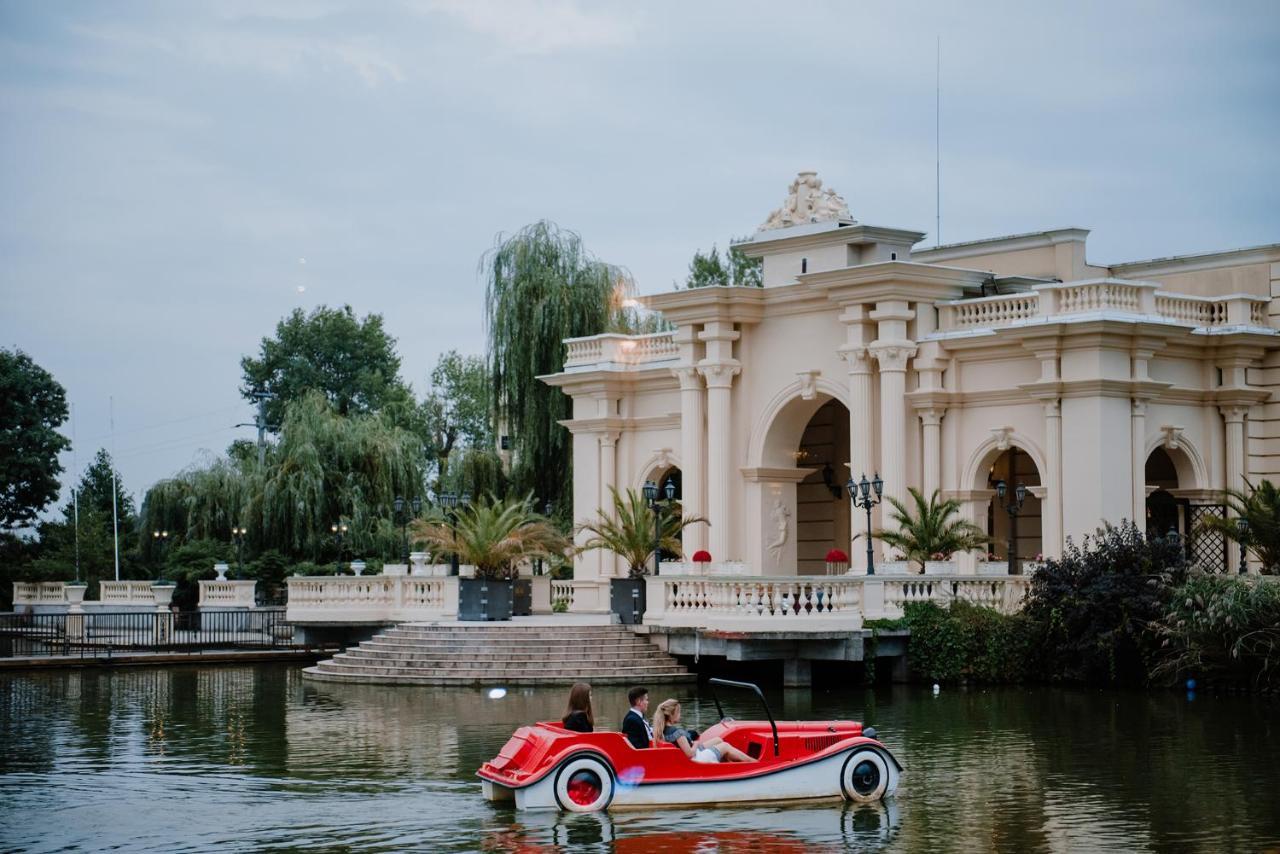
635	726
706	750
578	716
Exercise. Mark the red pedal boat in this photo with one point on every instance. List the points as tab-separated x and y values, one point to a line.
546	766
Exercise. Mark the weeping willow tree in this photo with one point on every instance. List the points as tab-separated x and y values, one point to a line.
542	286
326	469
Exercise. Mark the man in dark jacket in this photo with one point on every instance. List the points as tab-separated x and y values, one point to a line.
635	724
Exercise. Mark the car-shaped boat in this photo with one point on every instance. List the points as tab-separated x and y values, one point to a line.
546	766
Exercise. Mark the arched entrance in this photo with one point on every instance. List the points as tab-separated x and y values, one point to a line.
1165	513
822	505
1015	467
670	474
1176	504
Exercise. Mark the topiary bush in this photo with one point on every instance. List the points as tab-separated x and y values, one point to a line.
1094	606
969	643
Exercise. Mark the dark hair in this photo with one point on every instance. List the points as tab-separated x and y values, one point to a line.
634	695
580	701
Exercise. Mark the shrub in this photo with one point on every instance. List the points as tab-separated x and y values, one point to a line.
1221	628
1095	604
967	642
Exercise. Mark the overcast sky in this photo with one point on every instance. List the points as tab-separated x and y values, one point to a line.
175	177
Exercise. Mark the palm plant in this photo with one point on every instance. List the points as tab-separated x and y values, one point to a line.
629	531
928	529
1259	507
494	535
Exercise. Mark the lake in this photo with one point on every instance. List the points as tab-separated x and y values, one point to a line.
257	758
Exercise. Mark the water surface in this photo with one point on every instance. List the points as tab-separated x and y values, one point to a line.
257	759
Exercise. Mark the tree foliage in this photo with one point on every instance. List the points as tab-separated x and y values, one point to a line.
495	536
353	363
628	530
456	411
1259	506
542	286
927	531
735	270
32	407
969	643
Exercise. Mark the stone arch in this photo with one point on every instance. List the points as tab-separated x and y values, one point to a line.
1185	458
656	465
988	452
777	432
1023	532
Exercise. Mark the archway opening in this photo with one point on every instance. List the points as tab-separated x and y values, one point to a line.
1020	530
822	505
1165	513
663	476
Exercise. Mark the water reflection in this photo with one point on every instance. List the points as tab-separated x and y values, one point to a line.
195	759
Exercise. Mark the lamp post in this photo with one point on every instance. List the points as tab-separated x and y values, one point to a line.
161	539
1242	528
861	493
1013	508
450	501
651	495
237	536
537	563
339	531
403	519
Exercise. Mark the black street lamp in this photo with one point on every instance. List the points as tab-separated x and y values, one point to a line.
1013	508
652	496
450	502
403	519
339	531
237	536
537	563
1242	528
861	493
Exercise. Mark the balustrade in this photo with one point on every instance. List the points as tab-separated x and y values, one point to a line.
371	598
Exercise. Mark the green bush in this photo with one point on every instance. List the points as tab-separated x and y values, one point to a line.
969	643
1221	628
1094	606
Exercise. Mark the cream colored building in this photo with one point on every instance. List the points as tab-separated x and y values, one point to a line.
1136	390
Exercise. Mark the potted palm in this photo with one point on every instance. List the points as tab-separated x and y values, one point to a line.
631	532
493	536
927	533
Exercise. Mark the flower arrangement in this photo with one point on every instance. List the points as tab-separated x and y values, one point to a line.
702	557
837	562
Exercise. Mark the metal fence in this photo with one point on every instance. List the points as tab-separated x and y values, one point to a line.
104	633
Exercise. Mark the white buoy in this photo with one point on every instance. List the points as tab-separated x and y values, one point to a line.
497	693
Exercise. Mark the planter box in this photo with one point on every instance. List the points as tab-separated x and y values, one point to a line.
481	599
894	567
940	567
627	599
993	567
522	596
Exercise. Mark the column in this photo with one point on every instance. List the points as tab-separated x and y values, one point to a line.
1051	523
719	378
692	471
608	482
1233	416
931	419
861	448
1138	438
893	421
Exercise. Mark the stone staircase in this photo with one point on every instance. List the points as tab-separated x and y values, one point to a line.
450	654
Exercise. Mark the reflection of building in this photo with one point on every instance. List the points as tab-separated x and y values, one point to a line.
1129	391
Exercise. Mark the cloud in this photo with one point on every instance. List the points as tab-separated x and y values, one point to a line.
526	26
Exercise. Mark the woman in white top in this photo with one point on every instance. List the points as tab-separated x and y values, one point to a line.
666	725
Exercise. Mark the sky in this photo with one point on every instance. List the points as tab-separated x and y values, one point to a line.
176	177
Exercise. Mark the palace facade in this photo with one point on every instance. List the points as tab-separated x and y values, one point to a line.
1137	390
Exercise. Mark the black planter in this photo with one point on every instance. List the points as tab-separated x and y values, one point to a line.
482	599
521	597
627	599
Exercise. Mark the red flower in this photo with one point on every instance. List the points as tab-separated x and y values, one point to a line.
837	556
702	556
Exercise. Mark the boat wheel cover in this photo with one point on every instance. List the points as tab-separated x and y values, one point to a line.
584	784
864	776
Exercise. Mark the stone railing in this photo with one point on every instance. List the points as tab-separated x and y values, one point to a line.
1139	299
613	348
371	598
561	592
116	593
814	603
227	594
39	593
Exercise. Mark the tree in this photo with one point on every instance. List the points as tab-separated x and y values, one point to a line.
32	407
353	363
495	536
928	531
456	410
542	286
629	531
737	270
1259	506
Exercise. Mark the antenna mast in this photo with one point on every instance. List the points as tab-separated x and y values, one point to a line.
115	513
937	145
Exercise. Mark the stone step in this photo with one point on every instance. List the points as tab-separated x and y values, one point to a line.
488	654
388	679
401	643
509	628
512	635
502	674
593	662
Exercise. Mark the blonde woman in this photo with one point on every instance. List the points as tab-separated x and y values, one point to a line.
666	726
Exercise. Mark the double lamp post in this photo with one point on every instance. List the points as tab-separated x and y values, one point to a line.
651	495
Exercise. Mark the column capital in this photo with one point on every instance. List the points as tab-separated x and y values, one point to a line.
1052	407
690	377
719	374
1139	407
857	356
893	355
1233	414
931	417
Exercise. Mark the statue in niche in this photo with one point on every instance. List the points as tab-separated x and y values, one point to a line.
781	530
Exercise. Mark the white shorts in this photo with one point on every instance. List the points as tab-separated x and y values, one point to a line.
706	755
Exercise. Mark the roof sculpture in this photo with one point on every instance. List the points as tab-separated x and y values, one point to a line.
807	202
